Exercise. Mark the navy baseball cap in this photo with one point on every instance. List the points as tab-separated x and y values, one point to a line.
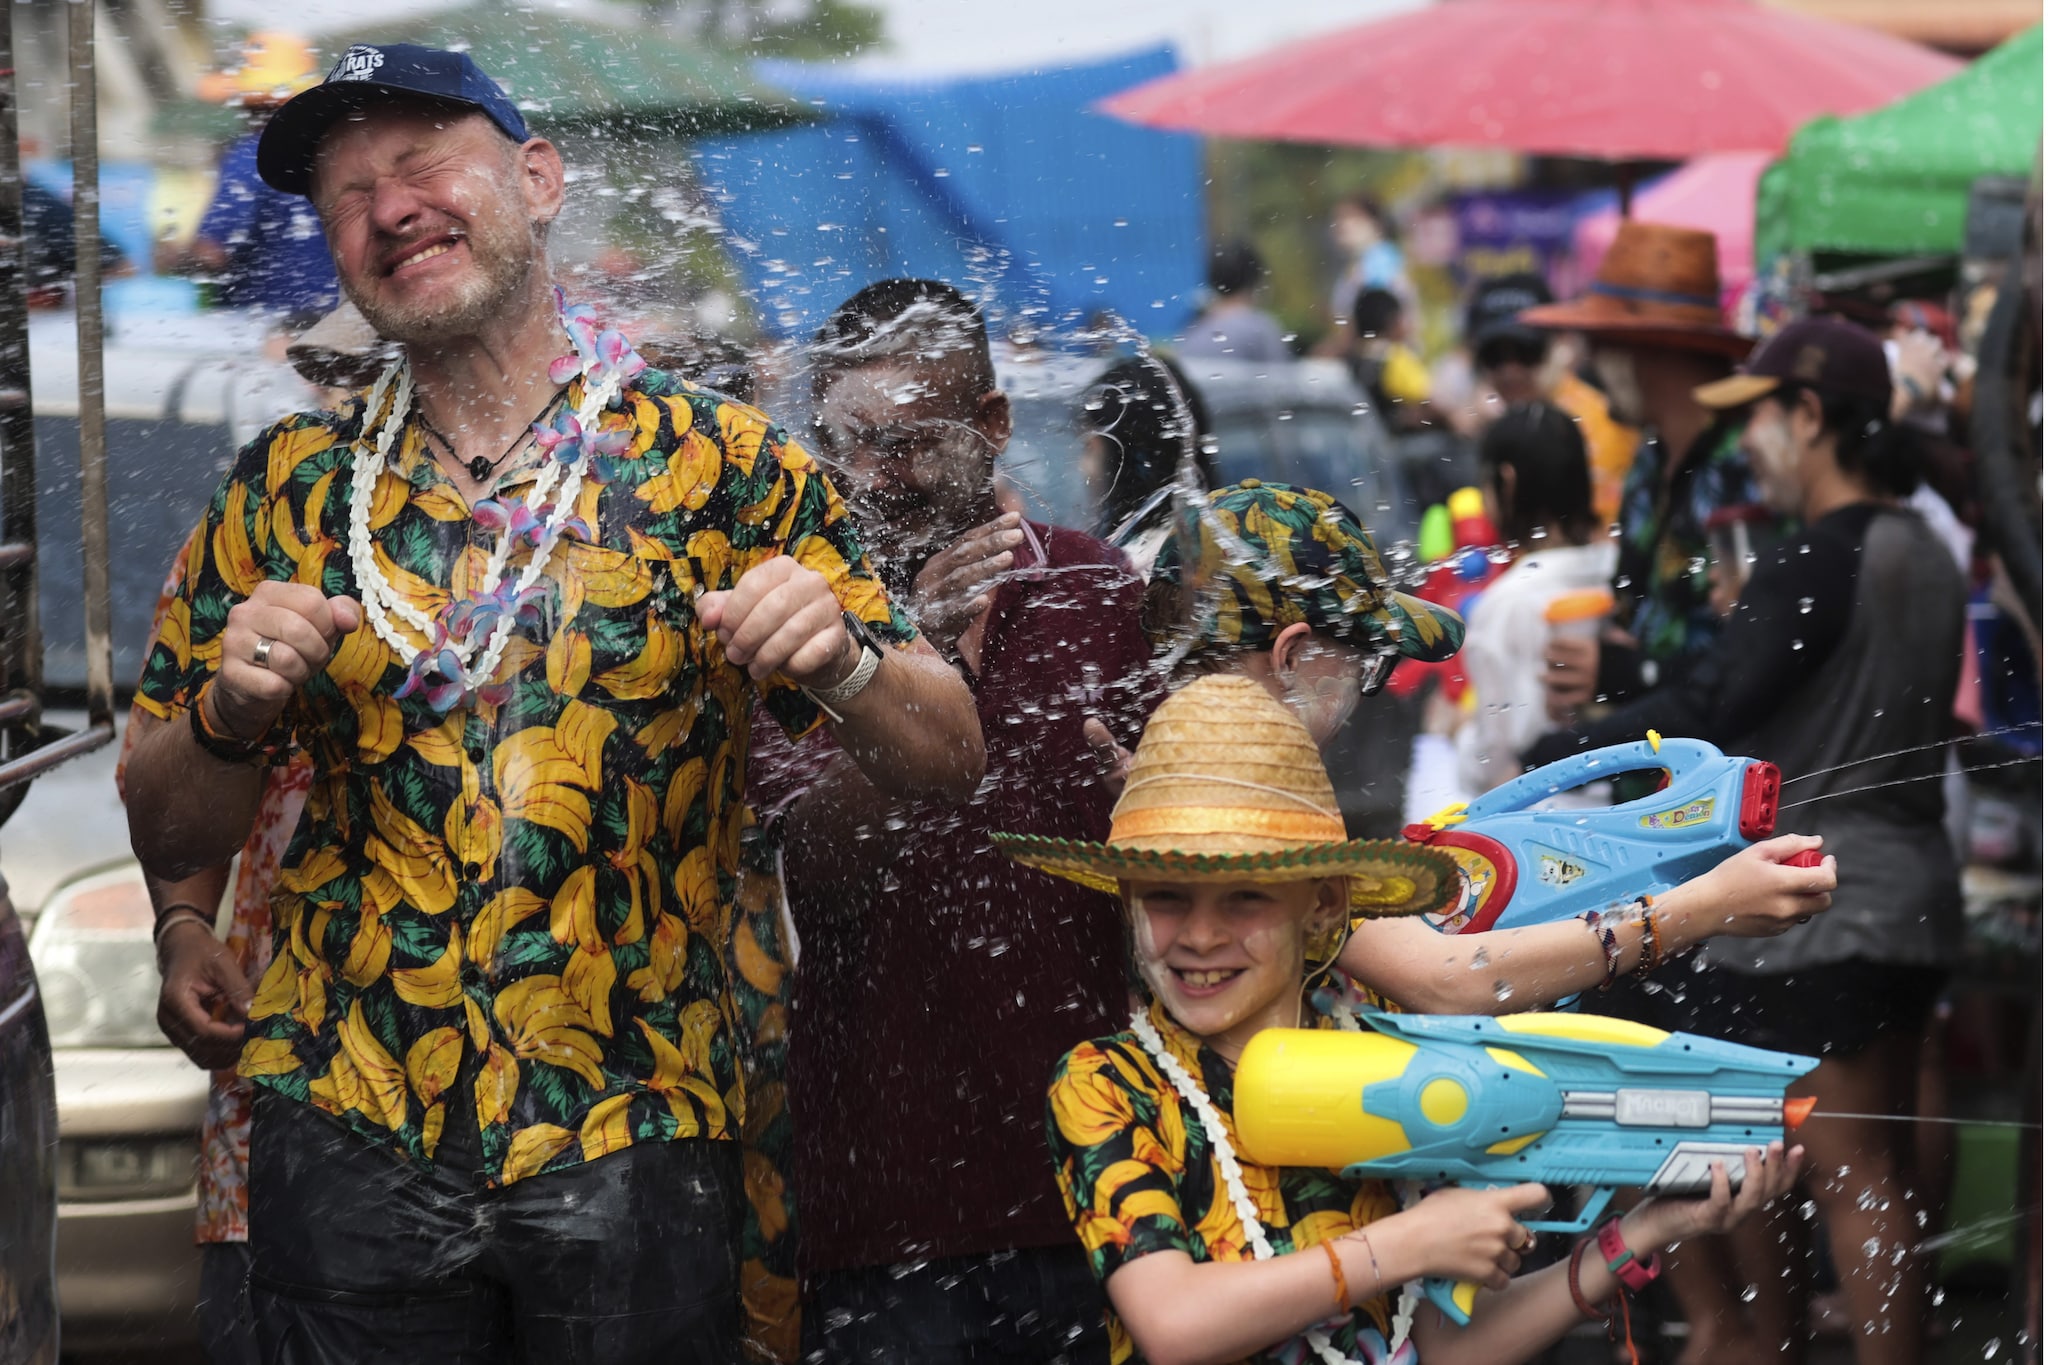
365	75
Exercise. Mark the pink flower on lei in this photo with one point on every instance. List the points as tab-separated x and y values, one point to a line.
601	352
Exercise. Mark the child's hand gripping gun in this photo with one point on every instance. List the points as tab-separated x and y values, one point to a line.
1559	1098
1524	866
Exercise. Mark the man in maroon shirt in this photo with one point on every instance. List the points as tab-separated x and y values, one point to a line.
936	984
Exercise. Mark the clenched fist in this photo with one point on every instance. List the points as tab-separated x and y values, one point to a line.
277	639
781	618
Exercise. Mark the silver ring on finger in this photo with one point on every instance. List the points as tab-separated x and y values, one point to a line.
260	656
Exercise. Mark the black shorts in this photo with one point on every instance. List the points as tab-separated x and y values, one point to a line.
1834	1010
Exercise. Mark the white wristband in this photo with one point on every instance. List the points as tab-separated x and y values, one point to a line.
847	688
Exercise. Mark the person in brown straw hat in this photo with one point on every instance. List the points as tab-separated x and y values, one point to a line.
1653	317
1230	855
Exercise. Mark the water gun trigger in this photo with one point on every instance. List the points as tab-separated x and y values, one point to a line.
1582	1221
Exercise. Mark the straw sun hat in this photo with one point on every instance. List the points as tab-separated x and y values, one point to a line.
1227	785
1658	286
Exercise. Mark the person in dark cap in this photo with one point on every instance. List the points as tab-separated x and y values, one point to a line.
1837	664
1518	363
517	602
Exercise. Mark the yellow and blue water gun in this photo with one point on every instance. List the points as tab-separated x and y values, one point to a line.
1564	1099
1525	866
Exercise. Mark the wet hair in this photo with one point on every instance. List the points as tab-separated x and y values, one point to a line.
1553	481
923	321
1131	406
1375	312
1868	444
1235	268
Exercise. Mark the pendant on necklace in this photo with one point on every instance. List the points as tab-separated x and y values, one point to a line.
479	469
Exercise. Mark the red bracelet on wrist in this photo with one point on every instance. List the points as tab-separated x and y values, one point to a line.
1571	1279
1633	1271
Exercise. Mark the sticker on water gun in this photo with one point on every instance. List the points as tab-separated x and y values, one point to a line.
1481	879
1557	869
1691	813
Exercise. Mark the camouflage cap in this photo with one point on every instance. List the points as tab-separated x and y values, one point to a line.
1276	554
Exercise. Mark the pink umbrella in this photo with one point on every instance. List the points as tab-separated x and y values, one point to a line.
1617	80
1717	193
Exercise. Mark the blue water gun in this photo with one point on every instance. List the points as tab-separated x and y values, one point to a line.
1526	866
1565	1099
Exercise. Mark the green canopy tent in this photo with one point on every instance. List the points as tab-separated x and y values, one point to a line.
1896	181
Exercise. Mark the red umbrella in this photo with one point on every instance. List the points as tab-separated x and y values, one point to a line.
1618	80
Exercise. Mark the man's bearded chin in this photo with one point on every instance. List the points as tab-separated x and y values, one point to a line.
503	270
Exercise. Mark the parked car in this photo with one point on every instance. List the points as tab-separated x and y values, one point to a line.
129	1109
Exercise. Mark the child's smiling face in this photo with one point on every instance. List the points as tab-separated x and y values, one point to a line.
1226	958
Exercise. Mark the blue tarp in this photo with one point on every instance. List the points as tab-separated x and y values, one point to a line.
1007	186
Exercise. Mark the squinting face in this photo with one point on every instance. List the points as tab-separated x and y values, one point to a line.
1774	456
433	219
902	453
1226	958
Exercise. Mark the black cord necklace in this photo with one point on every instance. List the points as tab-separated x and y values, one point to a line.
479	468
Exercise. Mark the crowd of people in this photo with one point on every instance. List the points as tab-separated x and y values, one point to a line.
675	856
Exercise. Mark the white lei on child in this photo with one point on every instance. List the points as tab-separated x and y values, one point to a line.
1378	1351
467	638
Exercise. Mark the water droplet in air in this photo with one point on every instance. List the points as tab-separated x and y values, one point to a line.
1749	1293
1805	605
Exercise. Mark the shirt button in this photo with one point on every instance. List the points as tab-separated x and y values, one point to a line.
472	870
472	975
476	753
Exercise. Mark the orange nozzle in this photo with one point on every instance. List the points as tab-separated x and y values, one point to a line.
1796	1111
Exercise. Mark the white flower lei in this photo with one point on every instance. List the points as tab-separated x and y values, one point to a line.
1240	1198
380	602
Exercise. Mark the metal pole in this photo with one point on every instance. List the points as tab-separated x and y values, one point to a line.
92	412
21	640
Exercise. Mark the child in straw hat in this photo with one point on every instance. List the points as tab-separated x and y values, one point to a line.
1290	592
1229	853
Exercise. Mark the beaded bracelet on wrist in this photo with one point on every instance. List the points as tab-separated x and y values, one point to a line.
1652	956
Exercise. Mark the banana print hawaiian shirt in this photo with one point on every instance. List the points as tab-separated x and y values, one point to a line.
534	889
1660	582
1139	1176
